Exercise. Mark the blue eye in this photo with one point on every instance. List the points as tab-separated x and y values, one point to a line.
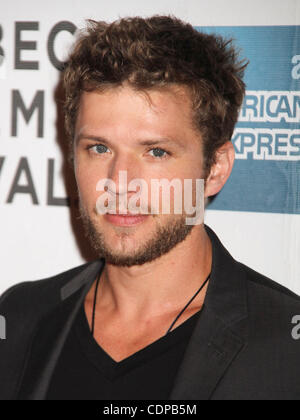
99	149
158	153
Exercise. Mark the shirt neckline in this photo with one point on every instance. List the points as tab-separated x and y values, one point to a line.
111	368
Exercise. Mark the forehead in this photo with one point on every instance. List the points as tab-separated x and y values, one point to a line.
163	111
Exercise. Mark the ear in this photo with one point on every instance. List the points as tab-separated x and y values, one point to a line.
221	170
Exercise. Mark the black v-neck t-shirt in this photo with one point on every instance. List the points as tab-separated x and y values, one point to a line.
86	372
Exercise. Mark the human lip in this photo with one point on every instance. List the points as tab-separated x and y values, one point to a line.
125	219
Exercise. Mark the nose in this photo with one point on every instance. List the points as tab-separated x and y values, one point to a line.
123	169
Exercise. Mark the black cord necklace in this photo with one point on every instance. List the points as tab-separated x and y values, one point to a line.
173	323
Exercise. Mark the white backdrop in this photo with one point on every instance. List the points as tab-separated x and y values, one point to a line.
37	240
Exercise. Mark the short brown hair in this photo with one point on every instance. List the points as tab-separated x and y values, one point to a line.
155	52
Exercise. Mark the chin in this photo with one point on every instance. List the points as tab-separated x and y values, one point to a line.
124	242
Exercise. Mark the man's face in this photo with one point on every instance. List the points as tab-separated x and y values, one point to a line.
150	137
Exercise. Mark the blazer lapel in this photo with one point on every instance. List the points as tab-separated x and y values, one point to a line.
39	370
211	350
220	333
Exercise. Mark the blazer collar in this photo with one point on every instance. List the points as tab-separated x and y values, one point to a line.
216	340
86	276
220	333
39	370
227	292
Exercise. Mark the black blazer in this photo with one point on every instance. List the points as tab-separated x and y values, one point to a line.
241	349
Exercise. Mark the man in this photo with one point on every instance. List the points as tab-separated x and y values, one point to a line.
166	312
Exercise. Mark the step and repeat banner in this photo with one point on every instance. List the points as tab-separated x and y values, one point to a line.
257	215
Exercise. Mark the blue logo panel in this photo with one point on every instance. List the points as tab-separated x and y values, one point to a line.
266	174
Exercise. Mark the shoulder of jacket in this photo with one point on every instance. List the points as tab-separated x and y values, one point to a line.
37	295
265	289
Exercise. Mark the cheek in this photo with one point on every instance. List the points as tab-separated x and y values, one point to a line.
87	179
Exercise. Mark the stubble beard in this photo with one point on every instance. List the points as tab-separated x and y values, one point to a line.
163	240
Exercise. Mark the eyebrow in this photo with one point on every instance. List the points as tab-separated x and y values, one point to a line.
156	142
90	137
150	142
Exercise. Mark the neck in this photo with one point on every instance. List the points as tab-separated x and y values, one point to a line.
162	286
